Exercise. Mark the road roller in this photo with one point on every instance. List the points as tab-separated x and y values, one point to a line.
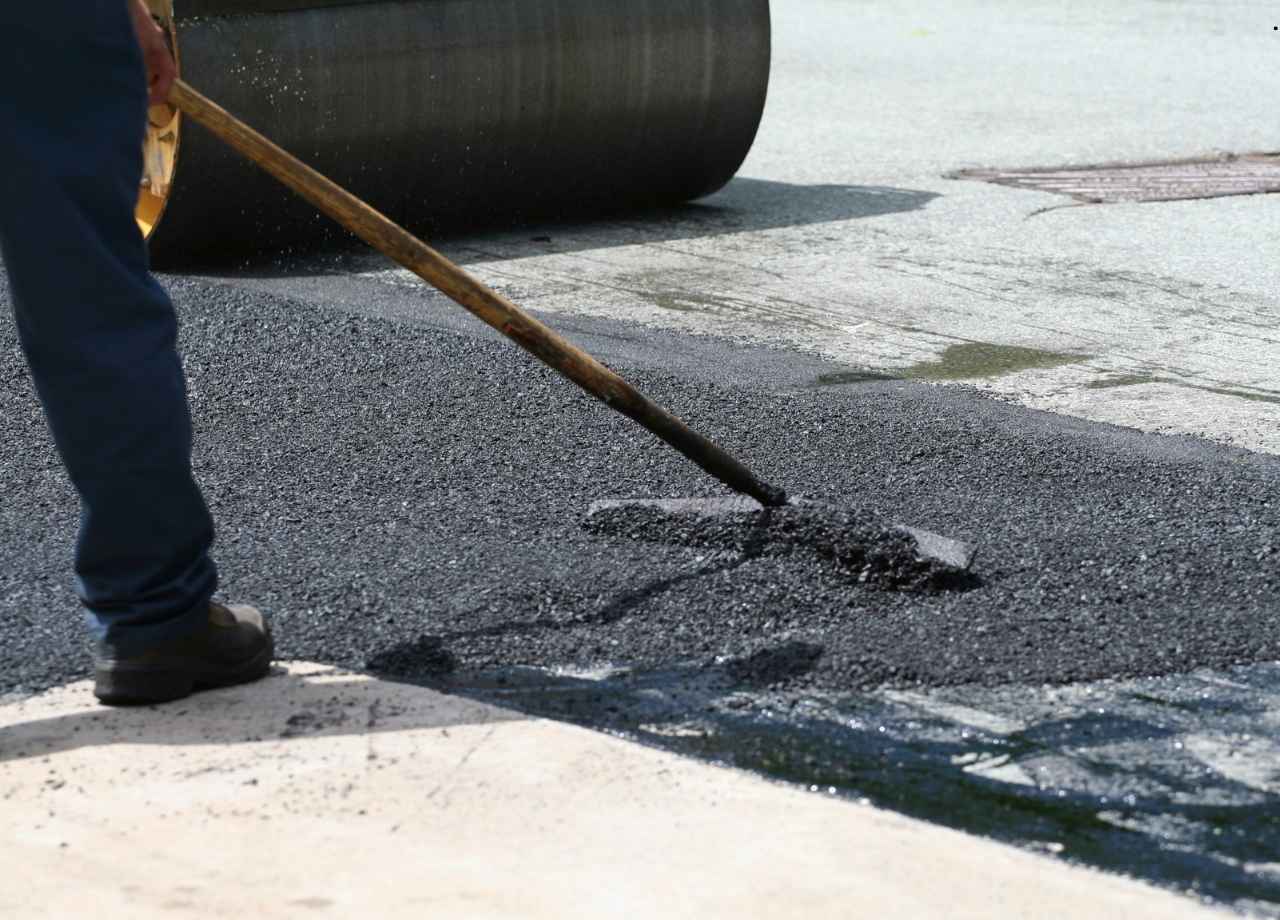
451	115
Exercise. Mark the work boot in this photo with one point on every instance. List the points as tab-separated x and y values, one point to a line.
234	647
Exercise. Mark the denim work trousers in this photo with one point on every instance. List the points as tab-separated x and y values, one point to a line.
98	332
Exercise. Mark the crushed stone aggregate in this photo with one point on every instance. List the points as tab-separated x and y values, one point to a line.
411	498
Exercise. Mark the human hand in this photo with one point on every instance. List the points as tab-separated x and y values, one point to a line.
161	69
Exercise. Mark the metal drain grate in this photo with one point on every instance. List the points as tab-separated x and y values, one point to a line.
1244	174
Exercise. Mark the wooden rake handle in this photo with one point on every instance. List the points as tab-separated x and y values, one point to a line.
398	244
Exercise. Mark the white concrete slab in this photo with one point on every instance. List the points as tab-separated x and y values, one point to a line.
321	793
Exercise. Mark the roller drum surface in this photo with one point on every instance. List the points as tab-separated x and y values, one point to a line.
464	113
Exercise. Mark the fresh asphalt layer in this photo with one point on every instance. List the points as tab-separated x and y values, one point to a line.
414	497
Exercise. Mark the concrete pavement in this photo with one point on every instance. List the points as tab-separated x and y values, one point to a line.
325	793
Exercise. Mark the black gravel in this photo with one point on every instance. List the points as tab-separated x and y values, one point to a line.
411	497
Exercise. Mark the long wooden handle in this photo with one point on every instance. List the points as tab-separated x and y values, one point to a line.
401	246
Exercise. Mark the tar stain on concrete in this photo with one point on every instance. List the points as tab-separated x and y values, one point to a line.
974	360
967	361
1134	380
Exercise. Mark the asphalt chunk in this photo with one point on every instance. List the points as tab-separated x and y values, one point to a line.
868	550
410	497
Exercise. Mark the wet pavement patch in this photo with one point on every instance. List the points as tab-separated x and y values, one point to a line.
1134	380
967	361
1214	177
974	360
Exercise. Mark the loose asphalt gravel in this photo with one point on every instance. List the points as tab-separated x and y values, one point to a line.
411	498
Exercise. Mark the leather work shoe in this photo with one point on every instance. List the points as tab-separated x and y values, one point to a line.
234	647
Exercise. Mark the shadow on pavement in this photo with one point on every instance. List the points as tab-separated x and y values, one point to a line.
288	704
744	205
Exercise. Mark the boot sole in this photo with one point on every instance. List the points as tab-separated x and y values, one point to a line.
118	684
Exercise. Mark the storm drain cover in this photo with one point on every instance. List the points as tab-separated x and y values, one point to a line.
1232	174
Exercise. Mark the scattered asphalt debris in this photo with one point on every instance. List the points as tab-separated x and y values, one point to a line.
377	481
854	543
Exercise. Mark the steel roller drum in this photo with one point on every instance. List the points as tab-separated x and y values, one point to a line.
454	113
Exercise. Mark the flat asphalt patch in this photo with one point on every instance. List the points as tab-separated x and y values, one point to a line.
413	497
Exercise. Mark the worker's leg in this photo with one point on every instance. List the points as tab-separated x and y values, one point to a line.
98	332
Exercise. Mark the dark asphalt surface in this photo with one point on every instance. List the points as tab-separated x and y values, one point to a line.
404	492
411	495
867	550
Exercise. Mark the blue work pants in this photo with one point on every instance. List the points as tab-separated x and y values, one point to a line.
98	332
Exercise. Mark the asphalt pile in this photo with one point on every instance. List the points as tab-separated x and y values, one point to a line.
849	542
398	493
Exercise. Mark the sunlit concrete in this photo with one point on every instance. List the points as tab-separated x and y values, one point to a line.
328	793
